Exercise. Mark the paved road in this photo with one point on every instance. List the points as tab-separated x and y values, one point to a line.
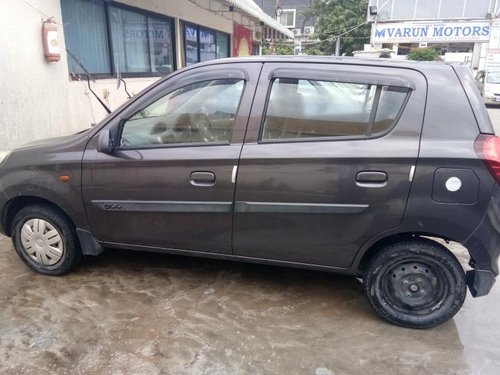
135	313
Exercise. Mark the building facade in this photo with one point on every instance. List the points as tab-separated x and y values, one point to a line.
460	29
123	45
290	14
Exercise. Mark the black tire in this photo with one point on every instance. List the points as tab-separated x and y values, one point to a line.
55	225
415	283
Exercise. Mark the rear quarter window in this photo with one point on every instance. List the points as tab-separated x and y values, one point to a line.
304	109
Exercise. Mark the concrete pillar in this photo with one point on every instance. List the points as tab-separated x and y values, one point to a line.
476	55
179	43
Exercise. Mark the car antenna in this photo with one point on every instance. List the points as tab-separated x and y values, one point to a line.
89	78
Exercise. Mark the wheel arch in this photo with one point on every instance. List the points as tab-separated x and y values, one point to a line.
14	205
369	250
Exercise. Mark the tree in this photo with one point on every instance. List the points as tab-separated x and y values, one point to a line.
423	54
336	17
277	47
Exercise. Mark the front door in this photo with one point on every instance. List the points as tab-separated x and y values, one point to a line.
169	182
327	160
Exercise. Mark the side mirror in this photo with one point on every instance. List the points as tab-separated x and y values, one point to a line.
105	142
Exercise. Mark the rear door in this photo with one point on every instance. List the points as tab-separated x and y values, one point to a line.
327	160
169	182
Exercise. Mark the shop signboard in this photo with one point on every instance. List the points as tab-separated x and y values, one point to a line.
435	32
157	31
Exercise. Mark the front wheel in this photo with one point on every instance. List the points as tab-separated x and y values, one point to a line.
415	283
45	240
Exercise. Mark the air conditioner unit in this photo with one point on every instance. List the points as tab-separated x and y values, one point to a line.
297	32
309	30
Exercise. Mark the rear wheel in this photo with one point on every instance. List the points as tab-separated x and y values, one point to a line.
46	240
415	283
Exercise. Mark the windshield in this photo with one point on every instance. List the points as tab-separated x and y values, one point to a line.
493	77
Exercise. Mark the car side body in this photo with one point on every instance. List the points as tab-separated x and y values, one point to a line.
265	190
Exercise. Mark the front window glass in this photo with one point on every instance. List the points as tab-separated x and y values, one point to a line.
203	112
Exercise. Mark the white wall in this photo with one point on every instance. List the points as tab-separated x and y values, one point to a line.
38	100
34	99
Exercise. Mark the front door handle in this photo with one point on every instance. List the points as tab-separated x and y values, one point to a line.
371	179
202	178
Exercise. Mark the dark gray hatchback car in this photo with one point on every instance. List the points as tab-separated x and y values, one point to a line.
342	165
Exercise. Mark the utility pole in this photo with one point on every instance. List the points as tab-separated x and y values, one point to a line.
337	47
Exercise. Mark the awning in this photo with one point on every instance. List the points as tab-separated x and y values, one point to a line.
252	9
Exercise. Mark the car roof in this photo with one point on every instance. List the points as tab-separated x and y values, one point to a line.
331	59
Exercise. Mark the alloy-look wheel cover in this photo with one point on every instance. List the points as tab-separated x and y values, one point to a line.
42	242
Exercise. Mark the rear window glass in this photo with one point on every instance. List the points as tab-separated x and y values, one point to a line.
389	106
300	108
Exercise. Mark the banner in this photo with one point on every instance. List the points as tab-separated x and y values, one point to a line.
242	41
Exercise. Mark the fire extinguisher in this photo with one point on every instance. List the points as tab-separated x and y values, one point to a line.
51	49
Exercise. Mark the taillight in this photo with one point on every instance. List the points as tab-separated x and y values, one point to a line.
488	148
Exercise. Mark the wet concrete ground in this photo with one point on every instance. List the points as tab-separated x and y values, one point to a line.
138	313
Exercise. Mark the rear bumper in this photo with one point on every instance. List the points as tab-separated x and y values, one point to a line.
484	247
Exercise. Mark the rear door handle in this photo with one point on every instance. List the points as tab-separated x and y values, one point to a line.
202	178
371	178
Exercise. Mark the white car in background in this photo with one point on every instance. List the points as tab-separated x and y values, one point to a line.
488	82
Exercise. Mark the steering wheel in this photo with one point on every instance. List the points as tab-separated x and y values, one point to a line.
202	124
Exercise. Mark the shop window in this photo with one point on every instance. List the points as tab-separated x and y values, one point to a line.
476	8
202	44
109	39
191	44
403	9
430	9
427	9
208	45
385	10
287	17
86	35
222	45
451	8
